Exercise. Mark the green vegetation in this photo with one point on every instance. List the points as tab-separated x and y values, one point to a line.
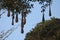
49	30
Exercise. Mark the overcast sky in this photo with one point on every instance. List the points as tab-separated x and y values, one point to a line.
32	19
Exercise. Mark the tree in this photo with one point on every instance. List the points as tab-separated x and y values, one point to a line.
16	7
45	4
50	30
23	7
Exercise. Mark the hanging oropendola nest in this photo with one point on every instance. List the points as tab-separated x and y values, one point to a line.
22	26
12	20
22	30
16	20
49	10
44	5
49	2
43	19
23	21
43	10
8	14
12	17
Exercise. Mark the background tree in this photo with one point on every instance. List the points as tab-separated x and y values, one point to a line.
50	30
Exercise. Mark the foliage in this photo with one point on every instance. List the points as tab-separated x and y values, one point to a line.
50	30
